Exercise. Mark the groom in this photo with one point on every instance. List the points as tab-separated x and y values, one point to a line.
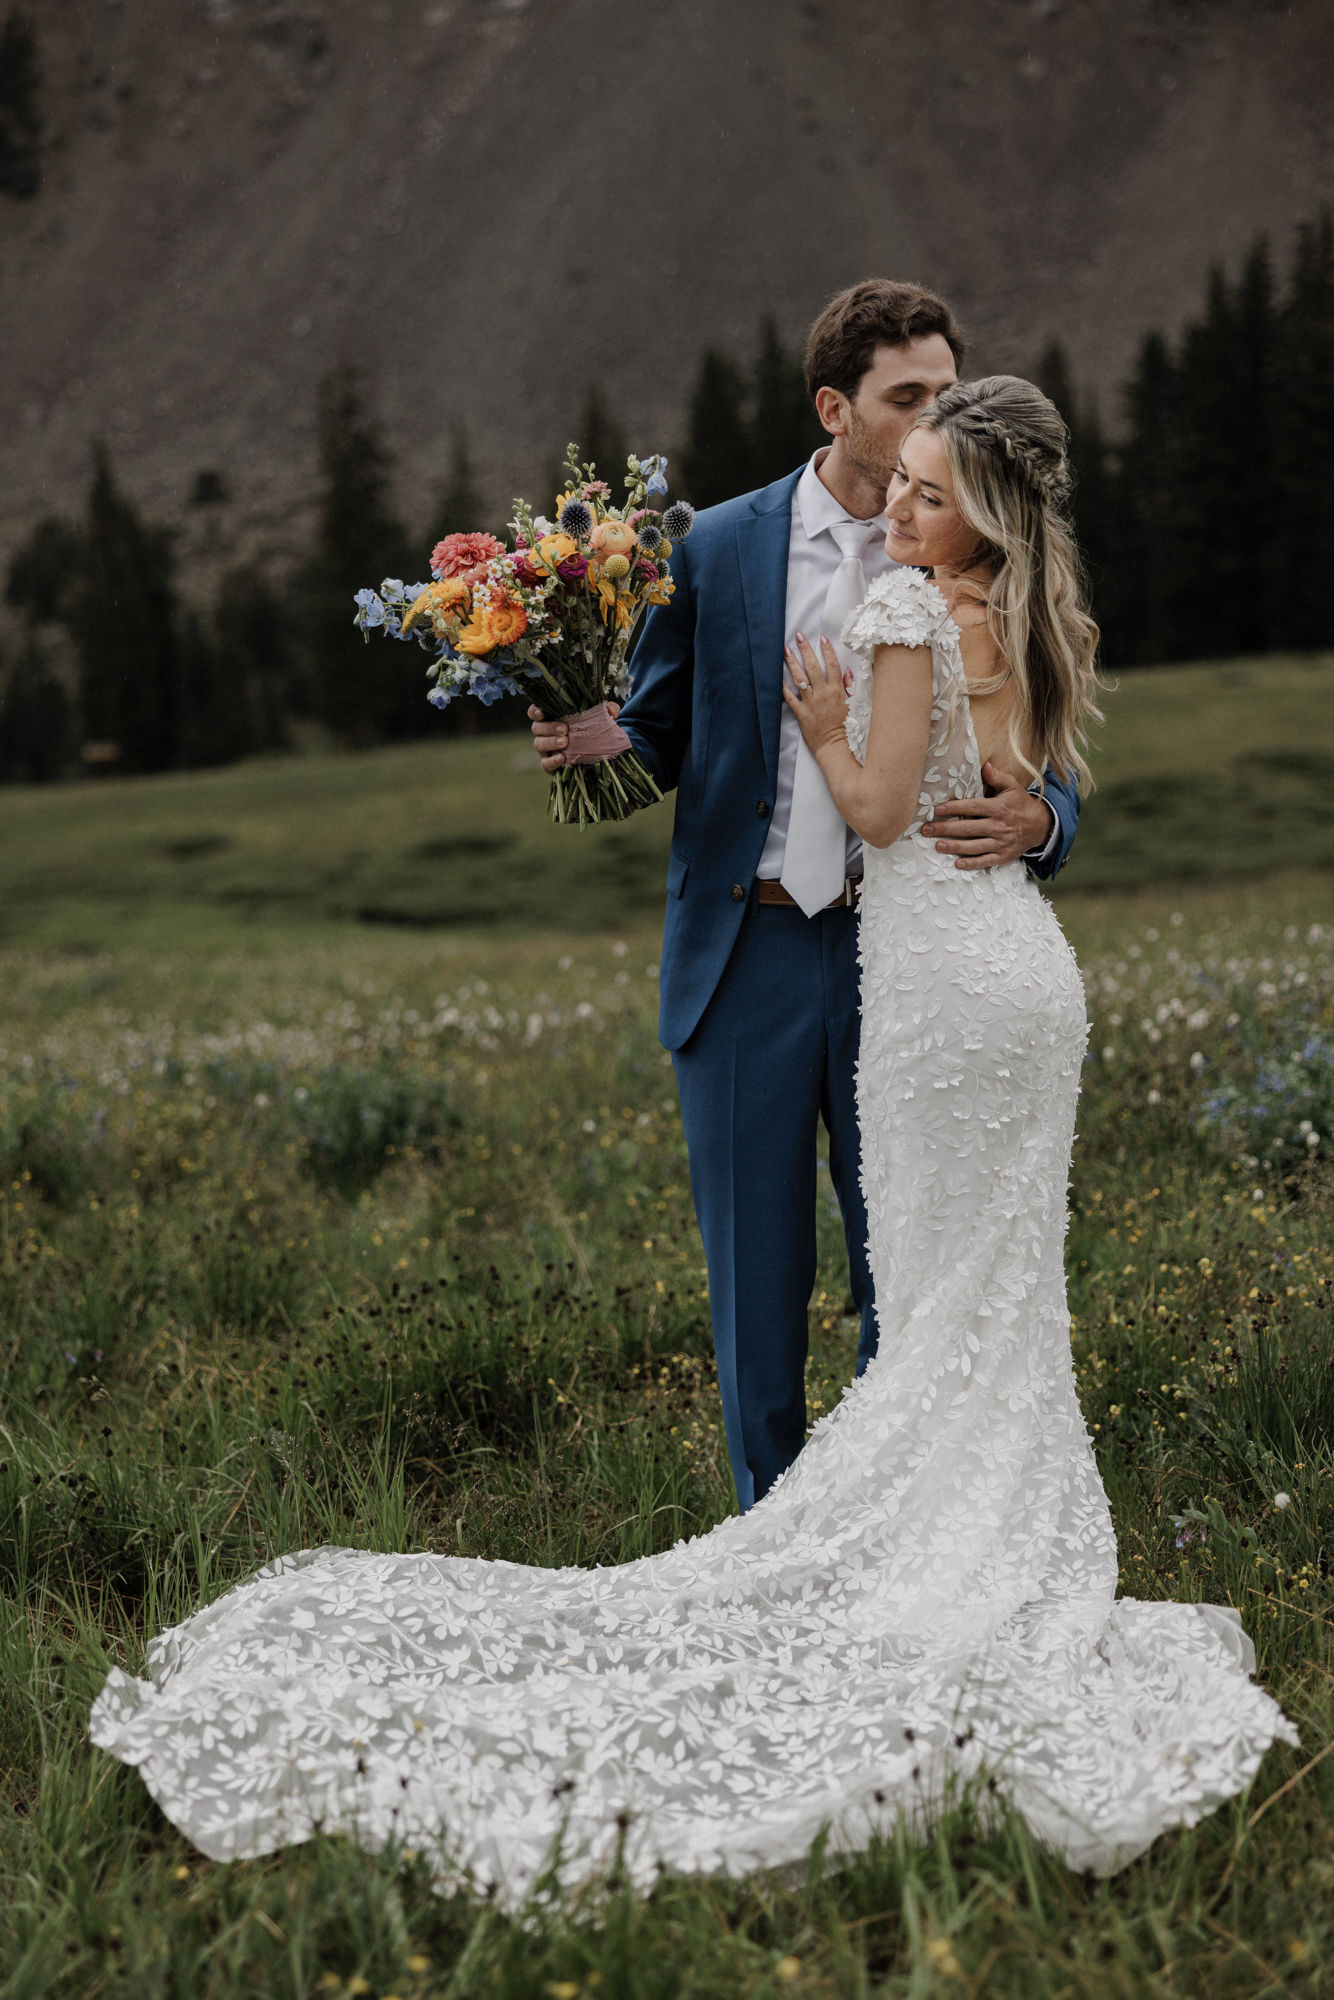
760	983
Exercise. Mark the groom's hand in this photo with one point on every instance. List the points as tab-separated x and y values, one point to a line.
551	739
983	833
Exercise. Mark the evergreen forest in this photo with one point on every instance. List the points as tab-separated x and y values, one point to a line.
1203	505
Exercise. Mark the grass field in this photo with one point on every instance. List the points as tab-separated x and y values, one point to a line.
319	1230
1204	773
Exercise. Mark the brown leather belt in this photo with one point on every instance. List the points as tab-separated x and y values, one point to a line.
774	892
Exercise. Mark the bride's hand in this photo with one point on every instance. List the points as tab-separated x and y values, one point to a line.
814	689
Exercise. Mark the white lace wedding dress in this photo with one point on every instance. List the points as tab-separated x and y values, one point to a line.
931	1588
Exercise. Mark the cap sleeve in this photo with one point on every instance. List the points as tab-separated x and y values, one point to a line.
901	609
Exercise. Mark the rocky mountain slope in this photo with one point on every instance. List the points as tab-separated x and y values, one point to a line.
492	203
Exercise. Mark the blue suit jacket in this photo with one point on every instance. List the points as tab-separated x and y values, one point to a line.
704	713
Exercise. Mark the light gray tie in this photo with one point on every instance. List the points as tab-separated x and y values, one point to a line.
814	856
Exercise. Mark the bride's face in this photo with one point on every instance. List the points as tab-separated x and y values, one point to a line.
926	528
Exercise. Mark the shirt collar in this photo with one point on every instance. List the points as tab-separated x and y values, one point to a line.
817	506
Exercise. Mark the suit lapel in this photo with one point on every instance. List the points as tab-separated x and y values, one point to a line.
763	539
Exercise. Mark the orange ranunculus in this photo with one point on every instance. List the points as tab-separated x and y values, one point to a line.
555	549
613	538
440	602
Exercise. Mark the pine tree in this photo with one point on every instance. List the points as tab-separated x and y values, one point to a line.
784	429
36	720
1088	455
44	571
250	622
459	507
1301	558
1093	506
1223	443
20	113
215	722
1142	501
124	624
717	462
363	695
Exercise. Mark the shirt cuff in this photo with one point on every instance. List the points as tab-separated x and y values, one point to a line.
1037	855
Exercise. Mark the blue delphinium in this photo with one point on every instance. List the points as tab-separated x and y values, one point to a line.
654	472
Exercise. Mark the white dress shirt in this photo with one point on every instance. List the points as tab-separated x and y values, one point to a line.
812	558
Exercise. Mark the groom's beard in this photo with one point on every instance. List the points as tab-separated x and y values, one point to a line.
867	455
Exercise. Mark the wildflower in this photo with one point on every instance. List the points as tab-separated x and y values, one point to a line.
370	610
576	518
499	623
553	550
489	688
595	489
464	555
1282	1500
650	538
440	603
940	1955
678	520
654	472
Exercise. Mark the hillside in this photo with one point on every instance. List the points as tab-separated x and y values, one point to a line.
449	836
493	202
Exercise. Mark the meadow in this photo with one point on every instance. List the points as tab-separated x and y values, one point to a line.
331	1214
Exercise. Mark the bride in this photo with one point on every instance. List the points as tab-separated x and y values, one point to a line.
932	1587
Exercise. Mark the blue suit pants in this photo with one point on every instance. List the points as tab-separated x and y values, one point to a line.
774	1053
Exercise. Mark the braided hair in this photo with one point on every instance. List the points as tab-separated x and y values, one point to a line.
1006	446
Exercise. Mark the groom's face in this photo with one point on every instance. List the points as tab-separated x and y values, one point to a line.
893	392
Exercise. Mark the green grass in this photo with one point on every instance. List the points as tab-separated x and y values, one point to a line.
228	1327
1208	772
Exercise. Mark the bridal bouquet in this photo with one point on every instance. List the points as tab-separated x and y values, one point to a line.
556	612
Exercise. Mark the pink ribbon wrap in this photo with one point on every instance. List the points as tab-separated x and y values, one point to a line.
594	736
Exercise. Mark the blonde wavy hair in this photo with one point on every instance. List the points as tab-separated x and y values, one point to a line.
1006	447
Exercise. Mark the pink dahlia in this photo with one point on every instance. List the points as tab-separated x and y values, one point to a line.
464	555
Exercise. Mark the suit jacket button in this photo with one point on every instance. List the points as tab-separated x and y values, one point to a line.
762	808
738	893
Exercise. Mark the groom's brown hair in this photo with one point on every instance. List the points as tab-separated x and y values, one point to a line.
879	312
